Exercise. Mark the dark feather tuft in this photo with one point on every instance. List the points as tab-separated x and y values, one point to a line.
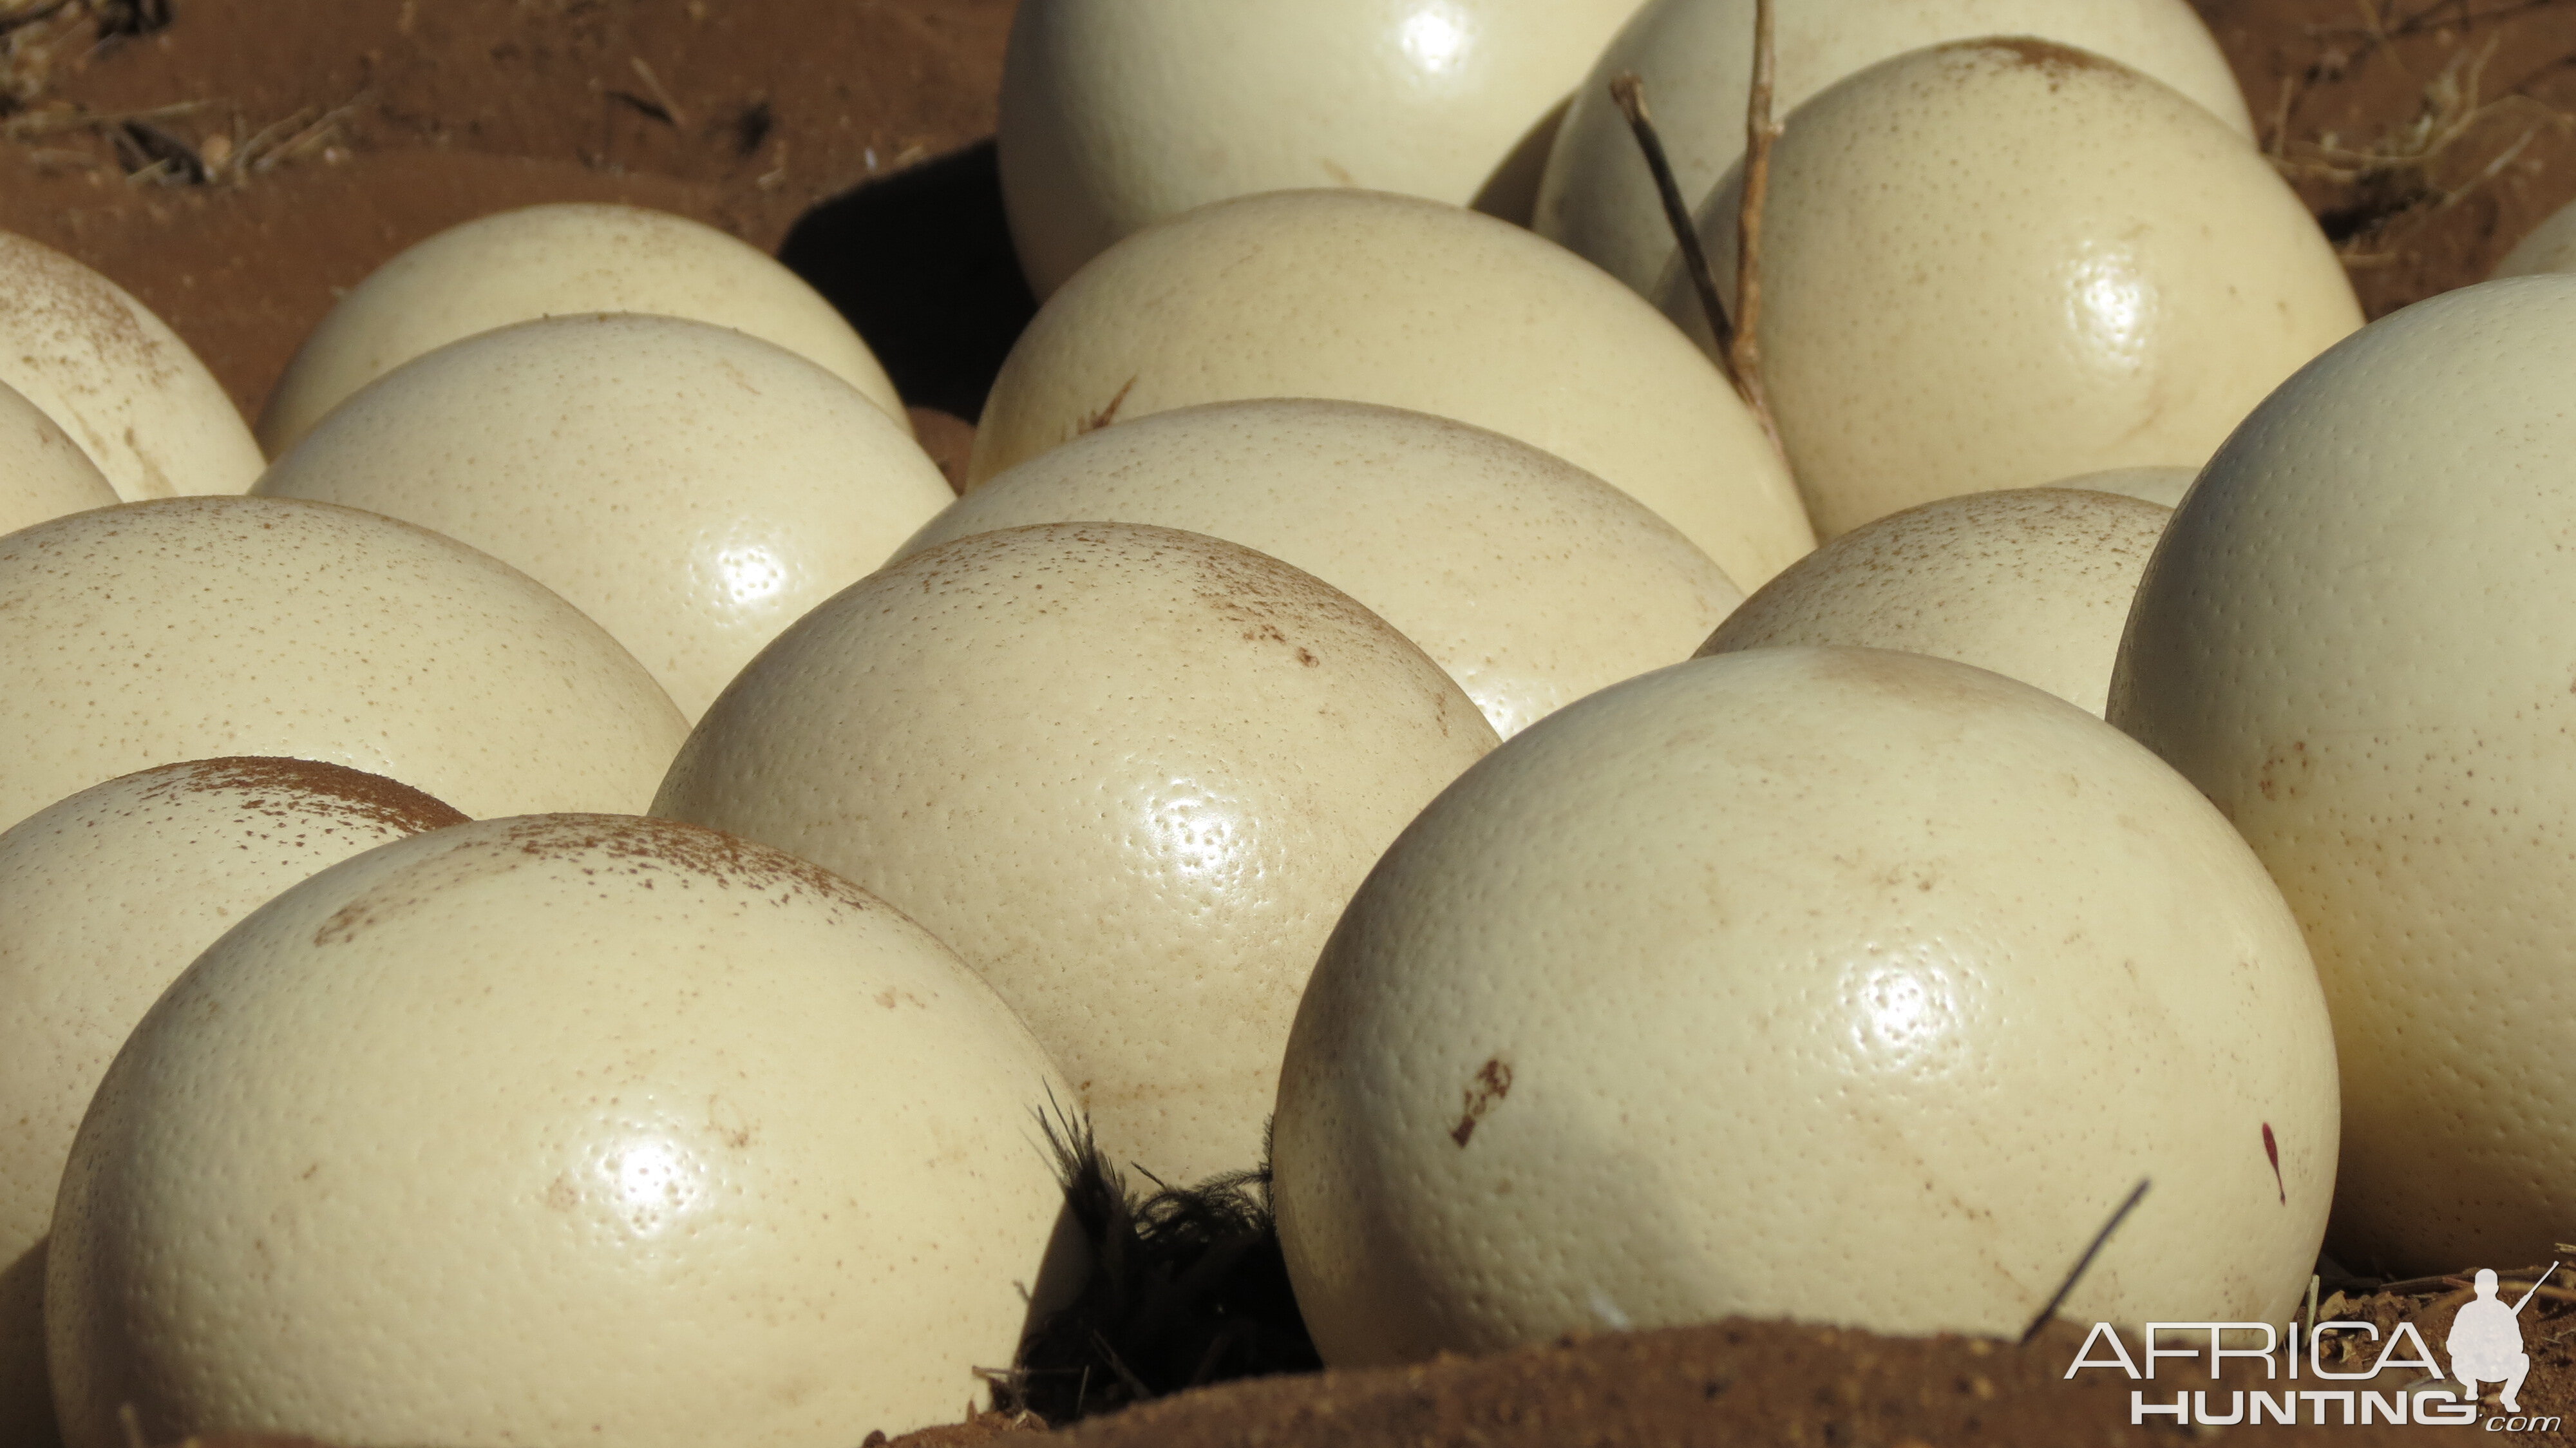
1187	1287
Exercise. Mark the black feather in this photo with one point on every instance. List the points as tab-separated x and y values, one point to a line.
1187	1287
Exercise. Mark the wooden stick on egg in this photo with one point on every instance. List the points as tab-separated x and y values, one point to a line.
1736	341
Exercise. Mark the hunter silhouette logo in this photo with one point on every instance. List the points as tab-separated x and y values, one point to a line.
2485	1346
2486	1341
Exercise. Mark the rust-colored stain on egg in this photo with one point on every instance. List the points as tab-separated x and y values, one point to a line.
1108	412
1492	1082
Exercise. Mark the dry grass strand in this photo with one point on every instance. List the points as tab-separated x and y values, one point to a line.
2410	171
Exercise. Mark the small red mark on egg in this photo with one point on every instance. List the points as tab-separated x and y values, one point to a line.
1109	413
1492	1083
2272	1149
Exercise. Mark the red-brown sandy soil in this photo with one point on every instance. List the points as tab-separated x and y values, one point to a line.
330	136
2428	135
1734	1384
238	163
1737	1384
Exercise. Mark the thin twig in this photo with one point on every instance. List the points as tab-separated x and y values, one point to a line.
148	152
267	139
47	123
153	154
2288	98
2399	176
2376	31
294	147
1759	132
2452	196
2453	1282
2057	1299
2451	109
679	119
1630	93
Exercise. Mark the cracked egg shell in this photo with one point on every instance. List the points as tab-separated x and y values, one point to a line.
557	260
1131	774
43	473
2033	583
1799	966
1695	58
1118	113
1529	580
2002	262
104	898
116	379
188	628
2359	640
1370	297
641	1132
693	489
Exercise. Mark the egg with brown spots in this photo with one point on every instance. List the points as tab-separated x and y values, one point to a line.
557	260
1998	263
189	628
2033	583
104	899
116	379
641	1132
1529	580
2359	640
1839	984
1695	60
1130	773
1367	297
43	473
